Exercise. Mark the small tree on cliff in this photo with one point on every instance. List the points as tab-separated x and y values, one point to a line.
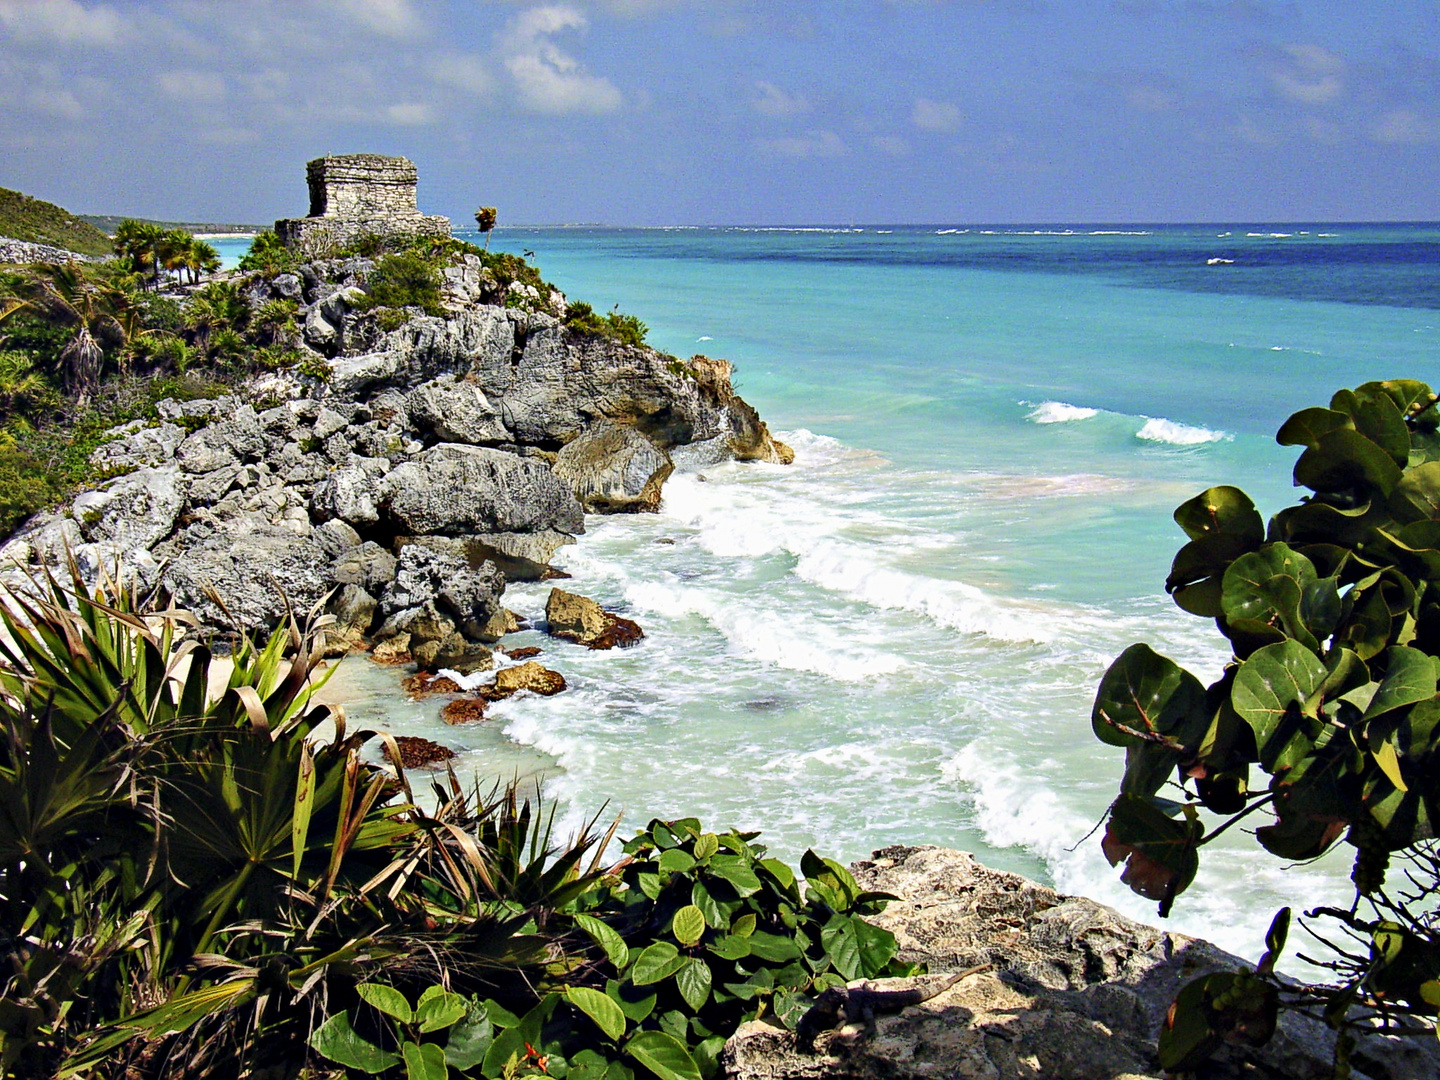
485	222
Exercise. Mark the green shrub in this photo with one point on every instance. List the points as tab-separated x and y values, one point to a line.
389	319
626	329
1333	613
268	256
404	279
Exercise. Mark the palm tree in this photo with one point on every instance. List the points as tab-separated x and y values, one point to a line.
218	307
485	221
201	258
138	243
21	386
68	295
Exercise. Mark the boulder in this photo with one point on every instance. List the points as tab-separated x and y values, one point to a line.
254	568
455	490
370	566
518	556
614	469
457	411
503	622
136	445
230	440
464	710
354	610
583	621
137	510
418	753
438	588
529	676
351	494
1074	991
393	650
463	657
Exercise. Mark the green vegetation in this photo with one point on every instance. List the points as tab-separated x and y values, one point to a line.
149	249
204	885
405	279
39	222
108	223
626	329
1333	613
268	256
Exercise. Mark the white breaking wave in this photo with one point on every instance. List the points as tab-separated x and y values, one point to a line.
1168	431
1059	412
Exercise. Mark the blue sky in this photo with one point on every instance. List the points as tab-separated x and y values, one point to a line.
653	112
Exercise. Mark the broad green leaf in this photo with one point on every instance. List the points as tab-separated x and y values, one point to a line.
1343	460
1220	510
706	845
470	1038
336	1040
745	925
731	947
664	1055
1267	584
839	940
598	1007
1273	689
1385	757
689	925
633	1002
737	871
424	1061
659	961
783	873
772	947
1409	677
693	981
1159	852
676	861
1306	427
606	937
1418	493
877	946
439	1011
717	912
1187	1038
387	999
1143	692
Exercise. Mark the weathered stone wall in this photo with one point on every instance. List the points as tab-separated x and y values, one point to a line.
358	195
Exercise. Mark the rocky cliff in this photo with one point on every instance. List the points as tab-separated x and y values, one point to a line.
1067	990
406	475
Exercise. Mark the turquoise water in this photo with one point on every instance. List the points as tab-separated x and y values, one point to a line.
897	638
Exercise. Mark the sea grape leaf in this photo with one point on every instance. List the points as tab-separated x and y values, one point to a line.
1343	460
1159	852
1409	677
1145	694
1267	584
600	1008
1378	418
337	1040
1274	689
1418	493
1306	427
1219	510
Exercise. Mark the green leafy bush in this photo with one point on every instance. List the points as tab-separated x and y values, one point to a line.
626	329
404	279
268	256
1333	613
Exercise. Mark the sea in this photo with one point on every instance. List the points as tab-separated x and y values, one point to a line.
897	639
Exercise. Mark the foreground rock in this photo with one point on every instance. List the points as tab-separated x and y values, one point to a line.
583	621
1075	992
418	753
529	676
613	469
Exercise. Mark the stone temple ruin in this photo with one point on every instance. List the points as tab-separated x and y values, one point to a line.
358	195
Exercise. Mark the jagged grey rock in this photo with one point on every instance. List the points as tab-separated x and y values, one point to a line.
229	441
369	566
249	565
137	510
614	469
453	490
457	411
351	494
1076	992
427	579
137	445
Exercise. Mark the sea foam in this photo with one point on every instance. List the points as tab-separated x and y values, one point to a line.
1161	430
1059	412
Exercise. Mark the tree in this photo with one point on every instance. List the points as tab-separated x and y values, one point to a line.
91	307
485	221
1333	613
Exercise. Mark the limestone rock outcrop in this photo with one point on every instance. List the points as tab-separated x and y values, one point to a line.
1075	991
583	621
614	469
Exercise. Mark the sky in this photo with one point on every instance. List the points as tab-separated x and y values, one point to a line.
676	112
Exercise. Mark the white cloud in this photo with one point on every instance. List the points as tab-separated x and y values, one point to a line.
66	21
892	145
61	103
938	116
549	79
195	87
409	114
462	72
815	144
390	18
773	101
1406	126
1313	77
